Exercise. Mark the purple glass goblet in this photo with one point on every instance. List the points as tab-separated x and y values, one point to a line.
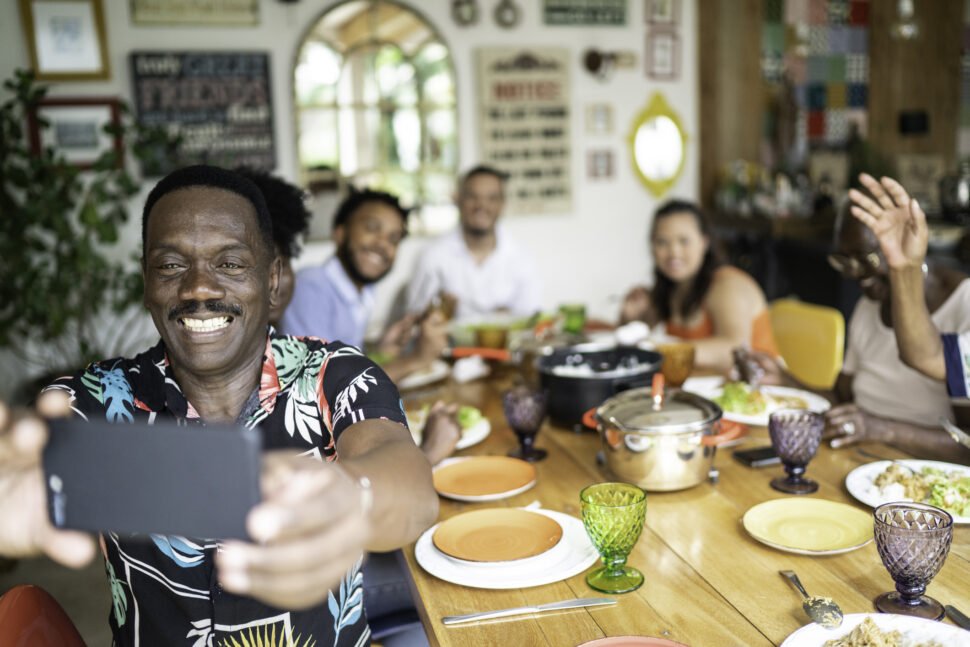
913	540
795	435
525	409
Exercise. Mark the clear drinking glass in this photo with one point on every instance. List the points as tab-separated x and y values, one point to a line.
795	435
613	514
913	540
525	409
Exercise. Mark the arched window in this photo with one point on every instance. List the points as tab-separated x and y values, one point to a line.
374	89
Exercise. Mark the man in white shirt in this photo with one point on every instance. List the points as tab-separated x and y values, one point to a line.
478	263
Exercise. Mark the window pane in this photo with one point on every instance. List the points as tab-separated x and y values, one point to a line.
317	144
434	70
358	131
405	139
441	141
395	76
396	24
357	84
317	72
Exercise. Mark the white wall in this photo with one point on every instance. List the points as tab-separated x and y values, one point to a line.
591	255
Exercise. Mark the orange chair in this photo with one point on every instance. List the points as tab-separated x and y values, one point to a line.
31	617
811	340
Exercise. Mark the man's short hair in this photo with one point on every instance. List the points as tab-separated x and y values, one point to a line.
357	198
287	207
216	177
483	169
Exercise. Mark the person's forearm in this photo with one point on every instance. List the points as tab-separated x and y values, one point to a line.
714	353
918	338
922	442
405	503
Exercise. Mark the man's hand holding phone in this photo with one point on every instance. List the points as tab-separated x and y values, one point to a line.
24	526
308	530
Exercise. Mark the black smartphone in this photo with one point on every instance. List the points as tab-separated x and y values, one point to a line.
757	456
198	481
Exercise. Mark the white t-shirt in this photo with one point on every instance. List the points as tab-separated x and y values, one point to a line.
881	383
507	279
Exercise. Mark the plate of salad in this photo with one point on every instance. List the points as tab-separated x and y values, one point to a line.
944	485
746	405
474	426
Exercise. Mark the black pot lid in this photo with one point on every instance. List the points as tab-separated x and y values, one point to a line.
634	411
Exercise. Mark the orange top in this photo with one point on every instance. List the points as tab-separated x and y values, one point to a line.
762	337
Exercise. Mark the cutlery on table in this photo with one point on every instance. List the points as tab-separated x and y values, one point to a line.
824	611
955	432
502	613
958	616
863	452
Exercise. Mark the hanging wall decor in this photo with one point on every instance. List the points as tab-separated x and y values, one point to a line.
524	119
66	40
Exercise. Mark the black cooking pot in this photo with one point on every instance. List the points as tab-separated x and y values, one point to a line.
574	389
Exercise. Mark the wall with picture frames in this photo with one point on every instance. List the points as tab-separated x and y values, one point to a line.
592	248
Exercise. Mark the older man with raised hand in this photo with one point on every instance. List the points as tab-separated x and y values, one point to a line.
211	277
478	263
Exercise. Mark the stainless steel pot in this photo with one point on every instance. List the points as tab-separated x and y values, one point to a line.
661	439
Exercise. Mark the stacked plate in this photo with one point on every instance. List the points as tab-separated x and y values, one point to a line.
483	478
506	548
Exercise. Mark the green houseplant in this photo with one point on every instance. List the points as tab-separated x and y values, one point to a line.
64	282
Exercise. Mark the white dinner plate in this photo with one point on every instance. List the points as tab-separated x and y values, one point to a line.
859	481
437	370
571	556
915	631
469	436
711	389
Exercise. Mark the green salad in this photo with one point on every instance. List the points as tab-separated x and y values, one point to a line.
737	397
948	490
467	416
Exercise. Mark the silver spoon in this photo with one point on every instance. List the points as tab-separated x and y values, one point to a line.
824	611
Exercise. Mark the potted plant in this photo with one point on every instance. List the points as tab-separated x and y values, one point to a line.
68	293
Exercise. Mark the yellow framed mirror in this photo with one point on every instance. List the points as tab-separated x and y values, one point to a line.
658	145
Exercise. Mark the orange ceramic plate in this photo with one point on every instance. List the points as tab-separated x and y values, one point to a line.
483	478
497	535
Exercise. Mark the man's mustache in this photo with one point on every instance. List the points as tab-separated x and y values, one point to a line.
195	307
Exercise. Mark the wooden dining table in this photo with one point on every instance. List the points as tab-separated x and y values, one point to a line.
707	582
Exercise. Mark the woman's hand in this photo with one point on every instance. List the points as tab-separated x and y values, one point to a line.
636	305
397	335
849	424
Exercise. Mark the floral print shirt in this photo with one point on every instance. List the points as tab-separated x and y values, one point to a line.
164	589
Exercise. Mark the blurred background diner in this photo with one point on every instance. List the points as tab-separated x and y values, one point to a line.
547	174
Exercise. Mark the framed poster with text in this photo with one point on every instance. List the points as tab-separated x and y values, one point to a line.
218	103
524	125
195	12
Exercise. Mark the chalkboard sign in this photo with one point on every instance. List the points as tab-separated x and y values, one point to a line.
218	103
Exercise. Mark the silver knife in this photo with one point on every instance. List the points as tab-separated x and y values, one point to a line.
501	613
958	616
955	432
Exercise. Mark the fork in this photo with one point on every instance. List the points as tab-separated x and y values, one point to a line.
883	458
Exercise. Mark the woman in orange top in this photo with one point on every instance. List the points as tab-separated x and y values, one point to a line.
716	306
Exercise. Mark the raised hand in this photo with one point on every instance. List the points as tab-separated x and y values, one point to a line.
895	218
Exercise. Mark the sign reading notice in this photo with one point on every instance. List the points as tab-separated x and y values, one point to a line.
217	102
524	121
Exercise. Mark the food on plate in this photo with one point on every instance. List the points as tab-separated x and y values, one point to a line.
868	634
739	397
947	490
467	417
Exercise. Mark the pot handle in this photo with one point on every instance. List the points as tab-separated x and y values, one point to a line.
501	354
657	391
589	418
727	430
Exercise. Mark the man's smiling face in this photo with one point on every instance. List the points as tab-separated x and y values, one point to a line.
208	278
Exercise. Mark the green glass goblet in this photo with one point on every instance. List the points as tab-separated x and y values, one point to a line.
613	515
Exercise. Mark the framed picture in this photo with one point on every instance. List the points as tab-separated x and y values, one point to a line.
66	39
599	119
663	55
662	12
195	12
599	164
75	128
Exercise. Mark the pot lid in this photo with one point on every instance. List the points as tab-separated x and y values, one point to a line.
634	411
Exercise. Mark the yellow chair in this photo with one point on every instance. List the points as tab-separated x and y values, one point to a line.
811	340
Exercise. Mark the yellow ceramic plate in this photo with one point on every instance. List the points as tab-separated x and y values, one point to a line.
809	526
483	478
497	535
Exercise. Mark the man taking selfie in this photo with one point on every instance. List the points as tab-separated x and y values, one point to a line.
340	474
